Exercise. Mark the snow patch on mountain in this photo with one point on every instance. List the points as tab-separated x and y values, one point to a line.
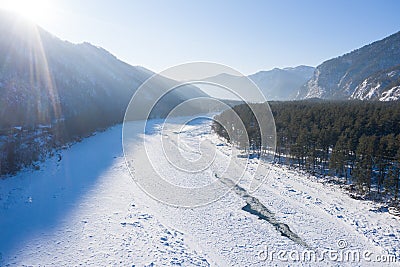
391	95
380	86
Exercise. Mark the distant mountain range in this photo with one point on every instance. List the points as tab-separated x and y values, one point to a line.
282	84
44	79
275	84
368	73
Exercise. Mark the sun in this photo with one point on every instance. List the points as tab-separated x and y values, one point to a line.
34	10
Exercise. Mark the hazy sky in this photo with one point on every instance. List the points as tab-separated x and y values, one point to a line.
246	35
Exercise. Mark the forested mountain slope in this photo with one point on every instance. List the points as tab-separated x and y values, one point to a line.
54	91
43	79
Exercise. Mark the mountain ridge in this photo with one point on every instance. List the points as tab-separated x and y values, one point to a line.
275	84
54	92
338	78
43	78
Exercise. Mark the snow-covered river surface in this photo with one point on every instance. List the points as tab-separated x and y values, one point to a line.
86	209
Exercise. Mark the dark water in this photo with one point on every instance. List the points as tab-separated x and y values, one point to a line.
255	207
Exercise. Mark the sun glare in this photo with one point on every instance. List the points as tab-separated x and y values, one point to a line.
34	10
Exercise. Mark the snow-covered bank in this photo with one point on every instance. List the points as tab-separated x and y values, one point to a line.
86	209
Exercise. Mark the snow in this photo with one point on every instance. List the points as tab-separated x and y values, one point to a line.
87	210
392	74
82	210
366	90
392	94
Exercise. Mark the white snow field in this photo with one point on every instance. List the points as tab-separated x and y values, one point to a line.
87	210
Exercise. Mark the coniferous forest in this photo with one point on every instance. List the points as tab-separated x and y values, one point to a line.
356	141
27	145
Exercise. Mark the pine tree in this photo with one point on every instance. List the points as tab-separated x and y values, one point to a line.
338	158
364	162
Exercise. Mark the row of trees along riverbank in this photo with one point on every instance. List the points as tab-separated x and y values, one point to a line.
357	141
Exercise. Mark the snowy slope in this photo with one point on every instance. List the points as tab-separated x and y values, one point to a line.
384	86
86	209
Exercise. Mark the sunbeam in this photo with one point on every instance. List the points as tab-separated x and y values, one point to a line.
40	95
30	9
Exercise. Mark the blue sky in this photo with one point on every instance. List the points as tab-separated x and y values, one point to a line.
246	35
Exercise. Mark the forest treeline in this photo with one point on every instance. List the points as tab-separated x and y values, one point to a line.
357	141
29	142
26	145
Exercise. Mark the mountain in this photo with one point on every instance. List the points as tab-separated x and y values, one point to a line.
275	84
383	85
54	92
44	79
370	72
282	84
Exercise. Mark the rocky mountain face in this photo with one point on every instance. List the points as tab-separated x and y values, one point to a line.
370	72
275	84
383	85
